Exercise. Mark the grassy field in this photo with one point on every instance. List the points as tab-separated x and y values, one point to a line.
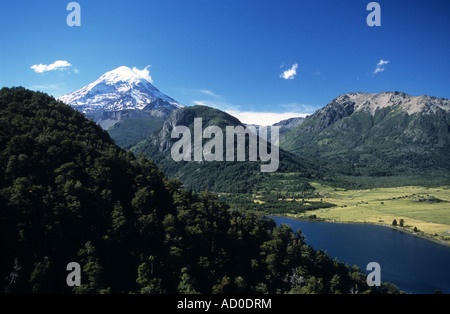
427	209
422	203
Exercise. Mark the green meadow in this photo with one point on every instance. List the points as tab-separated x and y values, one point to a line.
420	206
423	208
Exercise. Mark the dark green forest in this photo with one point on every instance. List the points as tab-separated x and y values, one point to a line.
69	194
129	132
218	177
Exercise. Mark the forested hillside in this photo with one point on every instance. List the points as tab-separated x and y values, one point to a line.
226	176
68	194
383	134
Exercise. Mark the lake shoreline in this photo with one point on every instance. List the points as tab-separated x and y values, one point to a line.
414	264
400	229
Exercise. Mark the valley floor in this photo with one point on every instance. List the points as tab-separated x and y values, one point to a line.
426	209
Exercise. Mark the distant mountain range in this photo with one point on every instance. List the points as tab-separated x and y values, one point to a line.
383	134
290	124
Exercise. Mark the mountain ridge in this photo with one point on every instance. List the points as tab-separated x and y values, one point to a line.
411	104
389	130
226	176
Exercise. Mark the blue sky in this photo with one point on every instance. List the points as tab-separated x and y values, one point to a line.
231	54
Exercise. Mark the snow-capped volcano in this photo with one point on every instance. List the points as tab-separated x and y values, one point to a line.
122	89
119	89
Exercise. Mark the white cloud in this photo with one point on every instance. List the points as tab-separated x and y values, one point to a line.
251	117
54	89
197	93
263	118
57	65
209	93
48	87
201	103
145	73
259	118
291	73
295	107
380	66
218	104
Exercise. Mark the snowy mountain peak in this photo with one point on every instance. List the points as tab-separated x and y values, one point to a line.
125	74
121	89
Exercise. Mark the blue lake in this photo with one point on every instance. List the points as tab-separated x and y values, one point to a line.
413	264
